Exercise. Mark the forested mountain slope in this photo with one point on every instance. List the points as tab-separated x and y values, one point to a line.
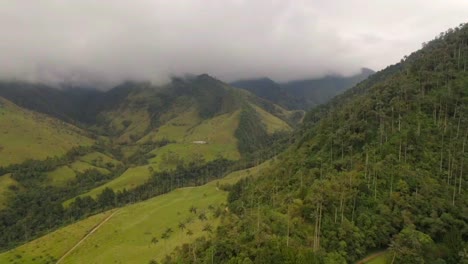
382	166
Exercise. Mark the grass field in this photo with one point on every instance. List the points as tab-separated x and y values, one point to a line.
49	248
28	135
189	151
377	258
271	122
129	179
127	236
382	259
95	160
99	159
61	176
81	166
176	128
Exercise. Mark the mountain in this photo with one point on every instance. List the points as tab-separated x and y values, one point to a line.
379	168
272	91
74	105
319	91
196	171
302	94
146	141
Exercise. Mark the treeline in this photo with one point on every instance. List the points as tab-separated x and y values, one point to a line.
38	209
50	163
193	174
382	167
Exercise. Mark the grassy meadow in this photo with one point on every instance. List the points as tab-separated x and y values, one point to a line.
28	135
133	234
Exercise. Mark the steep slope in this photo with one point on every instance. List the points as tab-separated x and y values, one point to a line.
26	135
191	110
382	166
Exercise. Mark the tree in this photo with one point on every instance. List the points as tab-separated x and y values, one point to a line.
207	228
106	198
410	246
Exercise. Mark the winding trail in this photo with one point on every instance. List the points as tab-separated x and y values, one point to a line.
85	237
371	257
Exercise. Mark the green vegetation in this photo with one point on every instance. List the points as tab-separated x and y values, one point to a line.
100	160
381	166
28	135
50	248
61	176
7	188
134	233
130	179
378	260
146	144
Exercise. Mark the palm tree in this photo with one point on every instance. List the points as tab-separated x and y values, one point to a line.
202	216
166	235
182	228
193	209
207	228
190	233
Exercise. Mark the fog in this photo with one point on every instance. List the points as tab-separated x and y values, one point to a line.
106	42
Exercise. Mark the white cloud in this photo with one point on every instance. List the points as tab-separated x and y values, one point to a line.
110	41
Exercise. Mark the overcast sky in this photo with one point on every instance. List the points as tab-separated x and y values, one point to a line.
110	41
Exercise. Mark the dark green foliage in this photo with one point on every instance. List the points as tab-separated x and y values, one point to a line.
251	132
71	104
383	165
37	208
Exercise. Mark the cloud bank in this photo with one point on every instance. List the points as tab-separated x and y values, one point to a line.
105	42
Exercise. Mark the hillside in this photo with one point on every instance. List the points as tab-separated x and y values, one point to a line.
302	94
380	167
190	121
272	91
26	135
135	233
190	130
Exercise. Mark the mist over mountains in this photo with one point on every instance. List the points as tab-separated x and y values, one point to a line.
302	94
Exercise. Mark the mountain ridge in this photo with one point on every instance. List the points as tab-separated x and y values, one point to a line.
302	94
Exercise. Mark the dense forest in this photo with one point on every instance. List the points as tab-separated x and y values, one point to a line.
381	167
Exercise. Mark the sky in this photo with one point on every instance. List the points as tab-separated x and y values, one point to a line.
106	42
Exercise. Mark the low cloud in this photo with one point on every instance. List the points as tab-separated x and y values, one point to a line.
106	42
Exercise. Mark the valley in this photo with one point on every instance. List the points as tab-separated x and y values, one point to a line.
367	167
